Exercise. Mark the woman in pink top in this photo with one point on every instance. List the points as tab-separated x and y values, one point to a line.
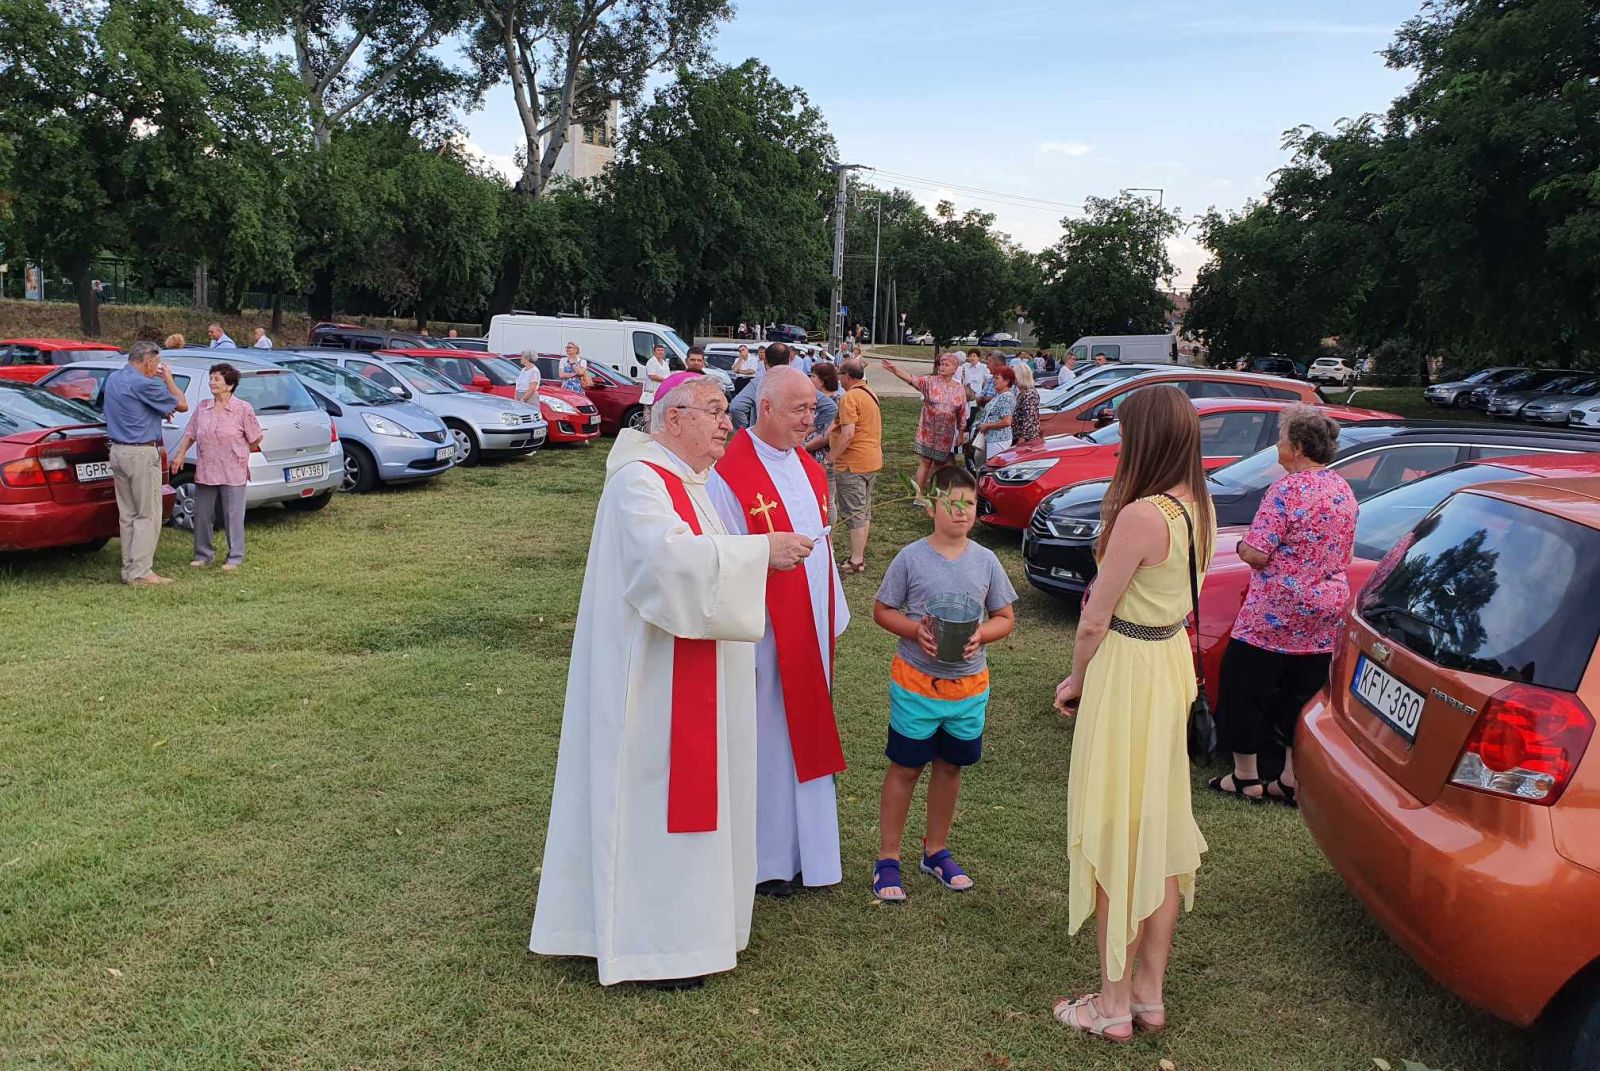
223	432
1285	633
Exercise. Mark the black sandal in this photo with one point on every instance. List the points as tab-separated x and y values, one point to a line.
1239	786
1285	795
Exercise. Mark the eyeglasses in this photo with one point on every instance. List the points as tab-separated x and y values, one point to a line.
804	410
717	413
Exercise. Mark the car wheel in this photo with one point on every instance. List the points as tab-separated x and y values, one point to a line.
360	470
638	419
1568	1035
309	505
183	502
467	452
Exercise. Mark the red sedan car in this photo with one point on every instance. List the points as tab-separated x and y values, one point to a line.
28	359
55	473
1230	428
1384	519
572	417
617	397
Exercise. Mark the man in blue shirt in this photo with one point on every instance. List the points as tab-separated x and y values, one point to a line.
138	397
220	339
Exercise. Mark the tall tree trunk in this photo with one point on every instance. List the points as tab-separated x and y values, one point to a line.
277	311
88	303
319	302
504	296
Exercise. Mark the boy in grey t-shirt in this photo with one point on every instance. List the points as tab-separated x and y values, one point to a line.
936	709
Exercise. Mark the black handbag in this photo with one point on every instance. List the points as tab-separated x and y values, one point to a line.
1202	725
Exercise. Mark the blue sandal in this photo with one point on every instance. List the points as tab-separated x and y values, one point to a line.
886	875
942	865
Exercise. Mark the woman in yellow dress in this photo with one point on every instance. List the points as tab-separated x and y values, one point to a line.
1133	845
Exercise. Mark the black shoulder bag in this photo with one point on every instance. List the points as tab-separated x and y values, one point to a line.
1202	726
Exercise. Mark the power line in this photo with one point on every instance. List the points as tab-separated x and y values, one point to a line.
1013	200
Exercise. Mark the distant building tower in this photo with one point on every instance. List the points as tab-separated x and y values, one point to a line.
590	147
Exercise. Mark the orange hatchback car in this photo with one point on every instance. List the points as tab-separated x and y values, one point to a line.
1447	770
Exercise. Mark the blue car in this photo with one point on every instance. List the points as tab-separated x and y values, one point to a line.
386	439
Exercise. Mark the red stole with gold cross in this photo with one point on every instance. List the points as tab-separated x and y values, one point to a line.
807	701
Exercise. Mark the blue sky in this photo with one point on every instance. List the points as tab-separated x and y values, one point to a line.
1058	101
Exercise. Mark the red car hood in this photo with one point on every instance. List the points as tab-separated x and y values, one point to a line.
1056	448
571	397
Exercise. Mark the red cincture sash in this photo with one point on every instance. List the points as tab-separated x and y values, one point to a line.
807	700
692	759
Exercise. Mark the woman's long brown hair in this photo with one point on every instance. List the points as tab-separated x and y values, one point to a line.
1160	449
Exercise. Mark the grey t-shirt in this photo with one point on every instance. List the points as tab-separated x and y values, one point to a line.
919	572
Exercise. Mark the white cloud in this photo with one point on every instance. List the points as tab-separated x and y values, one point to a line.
1066	148
505	163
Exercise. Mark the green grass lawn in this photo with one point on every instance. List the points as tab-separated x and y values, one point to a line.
292	818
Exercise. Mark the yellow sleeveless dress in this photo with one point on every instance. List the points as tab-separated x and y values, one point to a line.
1130	820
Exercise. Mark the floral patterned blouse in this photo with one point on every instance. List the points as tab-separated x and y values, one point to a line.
944	415
1307	523
222	436
1025	424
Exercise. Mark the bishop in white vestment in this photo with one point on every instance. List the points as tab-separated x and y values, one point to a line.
797	815
649	863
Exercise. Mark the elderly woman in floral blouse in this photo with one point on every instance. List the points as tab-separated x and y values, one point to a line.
944	415
1283	638
223	431
1025	422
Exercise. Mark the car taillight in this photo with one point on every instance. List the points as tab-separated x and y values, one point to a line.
1525	744
335	431
35	472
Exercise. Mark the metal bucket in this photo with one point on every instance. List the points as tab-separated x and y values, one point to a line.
955	622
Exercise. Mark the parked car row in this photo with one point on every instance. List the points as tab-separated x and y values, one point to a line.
1537	395
332	420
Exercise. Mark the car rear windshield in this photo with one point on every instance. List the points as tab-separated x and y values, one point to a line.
274	392
1491	587
27	408
1387	517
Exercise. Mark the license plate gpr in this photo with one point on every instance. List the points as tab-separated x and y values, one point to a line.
1399	706
305	472
90	471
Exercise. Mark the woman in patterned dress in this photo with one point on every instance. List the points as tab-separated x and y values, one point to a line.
1025	424
944	416
1298	546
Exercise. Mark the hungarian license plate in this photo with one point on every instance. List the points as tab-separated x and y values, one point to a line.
1399	706
90	471
444	453
594	422
305	472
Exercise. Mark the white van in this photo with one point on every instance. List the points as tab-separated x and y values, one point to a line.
1130	349
623	345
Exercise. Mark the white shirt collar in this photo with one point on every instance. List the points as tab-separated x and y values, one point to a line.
765	449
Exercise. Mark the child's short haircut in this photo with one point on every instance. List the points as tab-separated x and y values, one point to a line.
953	478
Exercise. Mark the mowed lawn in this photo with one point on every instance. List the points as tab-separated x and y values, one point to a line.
292	818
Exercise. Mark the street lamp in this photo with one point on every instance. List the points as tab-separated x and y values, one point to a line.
1159	191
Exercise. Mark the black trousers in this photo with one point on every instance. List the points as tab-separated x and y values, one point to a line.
1260	696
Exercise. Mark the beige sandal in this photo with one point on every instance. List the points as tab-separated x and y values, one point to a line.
1066	1012
1142	1013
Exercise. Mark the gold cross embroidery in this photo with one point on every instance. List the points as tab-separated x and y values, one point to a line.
763	509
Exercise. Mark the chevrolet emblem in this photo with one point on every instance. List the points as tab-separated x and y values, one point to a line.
1382	651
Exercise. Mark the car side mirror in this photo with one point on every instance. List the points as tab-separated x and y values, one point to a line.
398	392
1104	415
480	381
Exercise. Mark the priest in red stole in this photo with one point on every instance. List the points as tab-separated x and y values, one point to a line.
649	862
766	483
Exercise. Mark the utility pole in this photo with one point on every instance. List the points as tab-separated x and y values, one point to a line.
877	244
835	326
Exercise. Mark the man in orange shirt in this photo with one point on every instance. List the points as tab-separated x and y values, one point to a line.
855	446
